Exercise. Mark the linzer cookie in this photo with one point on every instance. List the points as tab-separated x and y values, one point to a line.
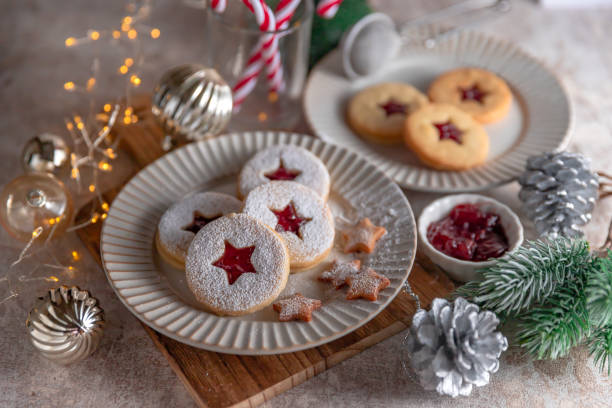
284	163
182	221
446	138
378	113
299	215
482	94
237	265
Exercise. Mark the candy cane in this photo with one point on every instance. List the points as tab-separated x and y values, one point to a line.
248	80
218	5
328	8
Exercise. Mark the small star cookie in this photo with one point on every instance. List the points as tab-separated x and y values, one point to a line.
340	271
363	236
296	307
366	285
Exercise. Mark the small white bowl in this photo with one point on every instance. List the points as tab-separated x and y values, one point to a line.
459	269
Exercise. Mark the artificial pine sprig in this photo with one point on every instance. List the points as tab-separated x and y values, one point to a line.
599	292
549	332
528	276
559	293
600	347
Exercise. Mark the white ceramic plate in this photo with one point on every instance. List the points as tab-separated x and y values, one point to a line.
157	293
539	119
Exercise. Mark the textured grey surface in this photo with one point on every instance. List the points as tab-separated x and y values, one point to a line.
127	371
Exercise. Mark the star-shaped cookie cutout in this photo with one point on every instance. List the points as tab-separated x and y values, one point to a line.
366	285
340	271
392	107
362	237
235	261
288	220
473	94
282	173
199	220
296	307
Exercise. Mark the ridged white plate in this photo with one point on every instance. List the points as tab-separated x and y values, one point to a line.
157	294
539	119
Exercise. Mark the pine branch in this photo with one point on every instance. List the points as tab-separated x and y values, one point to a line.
529	276
599	292
600	348
550	332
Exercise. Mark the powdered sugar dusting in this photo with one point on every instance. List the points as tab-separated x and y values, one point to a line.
171	233
312	172
296	307
251	290
317	235
340	272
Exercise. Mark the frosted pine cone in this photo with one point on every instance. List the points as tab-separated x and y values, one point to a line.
454	346
558	193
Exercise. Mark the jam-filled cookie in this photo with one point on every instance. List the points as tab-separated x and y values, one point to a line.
285	163
476	91
182	221
446	138
299	215
378	113
237	265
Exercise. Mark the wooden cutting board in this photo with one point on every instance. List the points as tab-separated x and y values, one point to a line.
219	380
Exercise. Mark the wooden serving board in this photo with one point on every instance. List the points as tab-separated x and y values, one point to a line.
219	380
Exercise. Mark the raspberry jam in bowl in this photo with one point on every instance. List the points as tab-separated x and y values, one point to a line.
465	232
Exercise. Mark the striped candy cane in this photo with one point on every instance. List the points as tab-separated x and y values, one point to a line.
248	80
218	5
328	8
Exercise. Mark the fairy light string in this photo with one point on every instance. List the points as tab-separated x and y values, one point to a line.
94	147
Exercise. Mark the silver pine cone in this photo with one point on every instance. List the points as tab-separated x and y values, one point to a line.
558	193
454	346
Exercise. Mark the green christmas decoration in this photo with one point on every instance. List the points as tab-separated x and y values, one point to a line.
557	292
326	34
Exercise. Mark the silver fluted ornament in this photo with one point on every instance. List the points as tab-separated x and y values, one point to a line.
454	346
192	102
45	152
66	325
559	191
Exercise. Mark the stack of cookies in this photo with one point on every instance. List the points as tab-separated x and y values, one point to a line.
444	129
238	252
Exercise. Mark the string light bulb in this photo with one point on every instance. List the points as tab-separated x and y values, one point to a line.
70	41
107	107
116	34
69	86
123	69
94	35
155	33
135	80
92	188
91	82
132	34
128	62
75	256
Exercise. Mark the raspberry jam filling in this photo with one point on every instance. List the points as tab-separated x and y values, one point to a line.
198	222
469	234
282	173
473	94
392	106
235	261
289	220
448	130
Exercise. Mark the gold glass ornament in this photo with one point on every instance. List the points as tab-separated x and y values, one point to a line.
45	152
35	200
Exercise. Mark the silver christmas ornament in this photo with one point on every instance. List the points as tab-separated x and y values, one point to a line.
192	102
66	325
558	192
45	152
454	346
